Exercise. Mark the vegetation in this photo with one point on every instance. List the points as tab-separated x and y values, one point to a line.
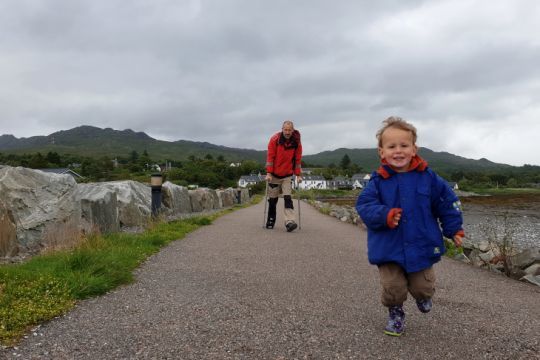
208	172
107	154
49	285
314	194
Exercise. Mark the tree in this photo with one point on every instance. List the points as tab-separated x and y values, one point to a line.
134	156
37	161
345	162
53	158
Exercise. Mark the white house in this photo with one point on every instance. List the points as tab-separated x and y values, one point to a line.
312	182
453	185
359	181
340	182
247	180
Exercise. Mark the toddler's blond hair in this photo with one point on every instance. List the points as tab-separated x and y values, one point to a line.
397	123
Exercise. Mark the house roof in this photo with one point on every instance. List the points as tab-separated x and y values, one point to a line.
313	177
252	178
359	176
61	171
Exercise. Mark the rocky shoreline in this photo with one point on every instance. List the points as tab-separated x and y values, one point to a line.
518	263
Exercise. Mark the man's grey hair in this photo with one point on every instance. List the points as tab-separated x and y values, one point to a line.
287	122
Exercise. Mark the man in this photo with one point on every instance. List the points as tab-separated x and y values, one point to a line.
283	159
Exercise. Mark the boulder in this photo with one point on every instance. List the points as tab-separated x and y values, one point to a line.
134	201
32	200
99	208
532	279
243	196
203	199
8	233
525	258
176	199
196	200
226	197
534	269
212	194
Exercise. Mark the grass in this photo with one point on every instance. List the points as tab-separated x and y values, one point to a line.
49	285
314	194
505	191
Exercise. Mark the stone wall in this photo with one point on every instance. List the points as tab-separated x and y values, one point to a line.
32	201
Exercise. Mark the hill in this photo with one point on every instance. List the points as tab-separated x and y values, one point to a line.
368	159
96	142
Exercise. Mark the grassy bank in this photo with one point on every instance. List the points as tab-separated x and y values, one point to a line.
49	285
505	191
314	194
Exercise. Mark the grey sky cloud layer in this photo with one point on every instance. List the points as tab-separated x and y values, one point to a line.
229	72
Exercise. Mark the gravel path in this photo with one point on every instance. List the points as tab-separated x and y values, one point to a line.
233	290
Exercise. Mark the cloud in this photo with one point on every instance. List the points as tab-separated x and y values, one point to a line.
464	72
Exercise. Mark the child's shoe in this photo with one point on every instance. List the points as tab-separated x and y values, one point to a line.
424	305
396	321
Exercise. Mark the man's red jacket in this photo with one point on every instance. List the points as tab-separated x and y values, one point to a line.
284	157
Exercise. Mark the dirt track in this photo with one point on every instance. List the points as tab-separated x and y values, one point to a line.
233	290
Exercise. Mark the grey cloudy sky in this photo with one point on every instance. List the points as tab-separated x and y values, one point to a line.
465	72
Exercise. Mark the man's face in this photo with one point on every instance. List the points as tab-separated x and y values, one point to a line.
287	130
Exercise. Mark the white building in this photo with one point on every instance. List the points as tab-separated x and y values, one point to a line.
312	182
247	180
359	181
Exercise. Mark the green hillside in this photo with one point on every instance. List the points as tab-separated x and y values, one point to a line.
368	160
95	142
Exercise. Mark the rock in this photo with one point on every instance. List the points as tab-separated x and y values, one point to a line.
99	208
33	200
226	196
176	198
534	269
243	196
8	233
134	201
462	257
486	256
201	200
532	279
484	246
525	258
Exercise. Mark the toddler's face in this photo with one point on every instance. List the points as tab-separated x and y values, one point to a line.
397	148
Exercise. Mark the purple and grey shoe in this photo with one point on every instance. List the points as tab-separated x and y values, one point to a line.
396	321
424	305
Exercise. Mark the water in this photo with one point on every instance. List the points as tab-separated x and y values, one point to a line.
516	214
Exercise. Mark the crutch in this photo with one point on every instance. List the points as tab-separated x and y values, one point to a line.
265	205
299	213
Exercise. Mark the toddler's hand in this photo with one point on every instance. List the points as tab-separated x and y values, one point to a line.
458	240
396	218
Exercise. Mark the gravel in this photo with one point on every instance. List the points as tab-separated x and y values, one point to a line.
233	290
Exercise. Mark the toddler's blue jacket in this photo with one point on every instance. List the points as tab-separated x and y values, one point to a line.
427	203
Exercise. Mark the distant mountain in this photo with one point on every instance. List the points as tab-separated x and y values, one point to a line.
368	159
93	141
